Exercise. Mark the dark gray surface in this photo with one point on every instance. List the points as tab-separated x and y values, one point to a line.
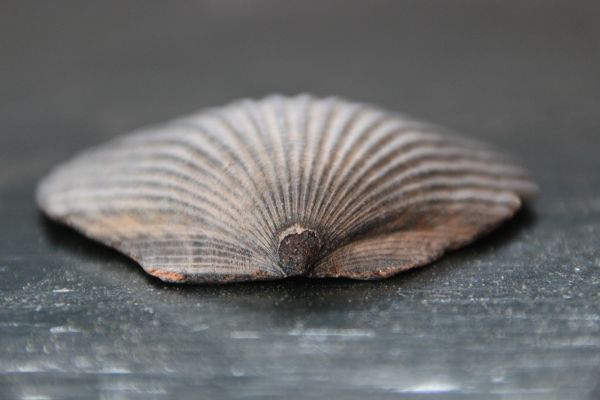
516	316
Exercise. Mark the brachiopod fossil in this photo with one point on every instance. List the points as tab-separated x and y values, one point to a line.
282	187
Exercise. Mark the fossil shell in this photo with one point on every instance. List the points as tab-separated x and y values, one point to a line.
285	186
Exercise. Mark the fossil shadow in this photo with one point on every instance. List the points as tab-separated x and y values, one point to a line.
292	293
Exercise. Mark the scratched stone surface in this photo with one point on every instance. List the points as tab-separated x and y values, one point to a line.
515	316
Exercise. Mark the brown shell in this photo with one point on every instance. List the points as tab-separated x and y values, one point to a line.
282	187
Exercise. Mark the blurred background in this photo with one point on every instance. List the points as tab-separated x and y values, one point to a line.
514	316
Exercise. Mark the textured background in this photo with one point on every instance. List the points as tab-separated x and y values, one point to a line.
516	316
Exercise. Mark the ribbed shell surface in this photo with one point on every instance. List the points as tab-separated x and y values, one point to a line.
285	186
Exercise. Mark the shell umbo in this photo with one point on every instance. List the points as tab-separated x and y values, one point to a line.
285	186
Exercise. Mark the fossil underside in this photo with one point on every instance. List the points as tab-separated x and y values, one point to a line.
285	186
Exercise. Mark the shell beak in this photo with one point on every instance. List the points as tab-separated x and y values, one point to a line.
298	248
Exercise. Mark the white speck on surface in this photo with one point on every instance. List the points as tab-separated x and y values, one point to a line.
64	329
114	370
430	387
27	368
200	328
35	397
63	290
245	335
401	380
117	388
333	332
237	371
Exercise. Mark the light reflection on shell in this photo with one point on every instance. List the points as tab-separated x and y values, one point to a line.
285	186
